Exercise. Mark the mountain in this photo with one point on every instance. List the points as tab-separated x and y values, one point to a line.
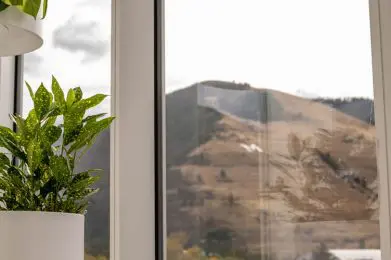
361	108
261	171
97	231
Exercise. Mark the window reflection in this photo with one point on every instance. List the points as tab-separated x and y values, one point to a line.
269	172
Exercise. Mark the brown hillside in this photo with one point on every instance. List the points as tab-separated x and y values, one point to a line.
315	171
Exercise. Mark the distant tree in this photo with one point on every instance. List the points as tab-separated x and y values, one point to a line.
362	244
338	103
194	253
322	253
260	256
188	197
280	183
199	179
231	200
175	245
223	175
222	241
89	257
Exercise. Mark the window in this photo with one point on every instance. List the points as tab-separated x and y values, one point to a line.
77	51
270	130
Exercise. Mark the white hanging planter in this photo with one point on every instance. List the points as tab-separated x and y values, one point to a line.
41	236
19	32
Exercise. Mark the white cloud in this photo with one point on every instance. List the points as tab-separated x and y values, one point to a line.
79	36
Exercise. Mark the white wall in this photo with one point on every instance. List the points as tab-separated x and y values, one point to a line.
7	69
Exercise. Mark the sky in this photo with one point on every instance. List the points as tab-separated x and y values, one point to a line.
303	47
307	47
76	48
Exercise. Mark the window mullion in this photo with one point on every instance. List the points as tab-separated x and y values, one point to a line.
381	56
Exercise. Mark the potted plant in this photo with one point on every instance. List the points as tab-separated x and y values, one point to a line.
20	31
43	198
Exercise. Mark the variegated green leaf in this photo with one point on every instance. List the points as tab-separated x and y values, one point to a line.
32	122
90	102
30	90
24	134
8	140
34	153
42	102
72	126
16	176
20	123
59	168
93	118
89	132
51	134
50	121
78	94
71	96
59	98
31	7
43	177
82	180
13	2
4	160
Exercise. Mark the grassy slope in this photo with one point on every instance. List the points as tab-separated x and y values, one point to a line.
198	195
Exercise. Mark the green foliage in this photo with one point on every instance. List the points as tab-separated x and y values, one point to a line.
30	7
88	257
223	176
322	253
224	242
43	177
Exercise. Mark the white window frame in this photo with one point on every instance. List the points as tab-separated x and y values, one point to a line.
133	138
380	13
137	223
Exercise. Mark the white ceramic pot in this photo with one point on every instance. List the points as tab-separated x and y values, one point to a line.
19	33
41	236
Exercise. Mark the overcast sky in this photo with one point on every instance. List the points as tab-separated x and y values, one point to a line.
317	47
76	48
306	47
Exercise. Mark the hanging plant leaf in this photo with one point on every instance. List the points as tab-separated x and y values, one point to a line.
31	7
45	8
3	6
13	2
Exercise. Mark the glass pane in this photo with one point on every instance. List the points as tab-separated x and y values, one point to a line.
76	50
270	130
